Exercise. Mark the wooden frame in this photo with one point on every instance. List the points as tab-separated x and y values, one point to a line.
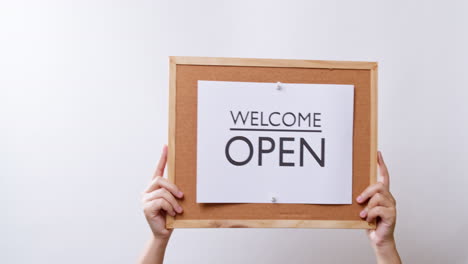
172	222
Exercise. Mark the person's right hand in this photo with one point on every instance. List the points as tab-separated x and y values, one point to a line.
159	199
381	208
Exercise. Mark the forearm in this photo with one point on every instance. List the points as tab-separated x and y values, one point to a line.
154	251
387	254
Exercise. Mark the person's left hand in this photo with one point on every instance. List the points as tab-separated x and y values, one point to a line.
159	199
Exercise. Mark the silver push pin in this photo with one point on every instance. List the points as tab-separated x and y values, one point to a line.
273	199
278	86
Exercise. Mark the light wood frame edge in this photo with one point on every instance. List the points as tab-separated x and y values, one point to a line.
352	224
374	125
175	60
355	65
172	128
373	128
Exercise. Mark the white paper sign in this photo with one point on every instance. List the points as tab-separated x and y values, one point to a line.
260	144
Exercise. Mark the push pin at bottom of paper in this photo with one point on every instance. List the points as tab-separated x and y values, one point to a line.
273	199
278	86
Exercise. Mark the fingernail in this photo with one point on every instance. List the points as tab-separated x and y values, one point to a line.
179	209
180	194
363	213
173	213
359	199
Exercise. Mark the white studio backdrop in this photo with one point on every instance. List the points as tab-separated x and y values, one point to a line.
84	107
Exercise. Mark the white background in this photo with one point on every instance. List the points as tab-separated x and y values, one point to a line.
83	116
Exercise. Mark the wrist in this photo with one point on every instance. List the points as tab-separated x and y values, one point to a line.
154	251
160	241
382	248
384	244
386	252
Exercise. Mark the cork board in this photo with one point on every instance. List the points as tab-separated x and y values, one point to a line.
182	160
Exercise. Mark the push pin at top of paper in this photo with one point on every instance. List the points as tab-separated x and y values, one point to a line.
278	86
273	199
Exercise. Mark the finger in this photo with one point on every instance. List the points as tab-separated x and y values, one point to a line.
383	170
160	182
153	207
162	163
379	200
370	191
166	195
386	214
